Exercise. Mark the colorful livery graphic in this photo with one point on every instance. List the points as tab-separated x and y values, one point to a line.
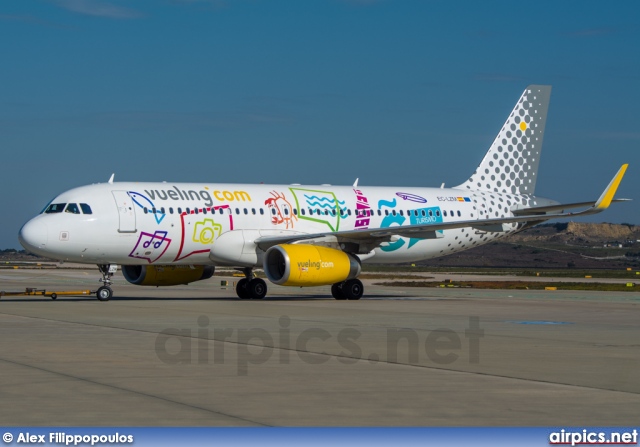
164	234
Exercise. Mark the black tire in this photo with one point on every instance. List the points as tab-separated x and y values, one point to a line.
241	289
54	296
336	291
257	288
104	293
353	289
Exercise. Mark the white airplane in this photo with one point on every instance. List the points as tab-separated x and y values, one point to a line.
166	234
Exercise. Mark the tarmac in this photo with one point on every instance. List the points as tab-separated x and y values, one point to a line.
197	356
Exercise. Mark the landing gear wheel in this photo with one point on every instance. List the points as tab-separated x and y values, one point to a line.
337	293
54	296
104	293
353	289
257	288
242	290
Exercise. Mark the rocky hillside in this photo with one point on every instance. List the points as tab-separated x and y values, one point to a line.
580	233
560	245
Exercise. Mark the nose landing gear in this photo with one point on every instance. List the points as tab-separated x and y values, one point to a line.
105	292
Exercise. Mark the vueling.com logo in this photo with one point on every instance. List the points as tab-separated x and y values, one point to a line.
306	265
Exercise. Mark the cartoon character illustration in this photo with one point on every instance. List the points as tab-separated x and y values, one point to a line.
421	216
143	201
323	206
363	211
199	232
206	231
280	209
149	245
411	197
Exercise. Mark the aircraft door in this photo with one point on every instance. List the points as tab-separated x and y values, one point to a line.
126	211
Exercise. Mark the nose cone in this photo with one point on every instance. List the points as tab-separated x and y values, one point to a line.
33	235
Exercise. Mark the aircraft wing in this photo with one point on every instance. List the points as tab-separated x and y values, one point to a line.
428	231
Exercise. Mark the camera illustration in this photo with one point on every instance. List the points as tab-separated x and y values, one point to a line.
206	231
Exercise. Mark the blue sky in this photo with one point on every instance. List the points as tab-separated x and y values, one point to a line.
393	92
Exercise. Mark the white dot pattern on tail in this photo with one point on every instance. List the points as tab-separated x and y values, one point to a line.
511	164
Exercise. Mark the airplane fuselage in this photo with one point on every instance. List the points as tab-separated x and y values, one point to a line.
179	223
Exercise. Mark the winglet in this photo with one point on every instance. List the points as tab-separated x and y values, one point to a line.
607	196
111	178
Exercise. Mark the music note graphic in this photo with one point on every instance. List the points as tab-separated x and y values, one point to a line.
144	249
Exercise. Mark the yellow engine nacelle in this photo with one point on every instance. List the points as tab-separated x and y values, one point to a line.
308	265
166	275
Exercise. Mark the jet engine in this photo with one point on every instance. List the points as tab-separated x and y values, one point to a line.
308	265
166	275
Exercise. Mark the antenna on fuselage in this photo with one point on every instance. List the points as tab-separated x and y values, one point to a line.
111	178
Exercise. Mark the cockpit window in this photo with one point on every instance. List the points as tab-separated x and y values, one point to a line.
55	208
46	206
86	209
72	208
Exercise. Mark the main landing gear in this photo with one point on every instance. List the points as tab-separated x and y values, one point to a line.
351	289
250	286
105	293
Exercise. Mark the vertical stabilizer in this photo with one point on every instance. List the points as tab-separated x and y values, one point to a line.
511	164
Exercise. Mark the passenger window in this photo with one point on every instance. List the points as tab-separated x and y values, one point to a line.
195	210
273	211
162	210
349	212
253	211
86	209
437	213
55	208
237	210
153	210
445	213
401	213
286	211
145	210
295	211
170	210
204	211
302	211
386	212
459	214
262	212
246	211
379	213
430	213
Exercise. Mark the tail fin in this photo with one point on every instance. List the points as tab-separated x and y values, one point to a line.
511	164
